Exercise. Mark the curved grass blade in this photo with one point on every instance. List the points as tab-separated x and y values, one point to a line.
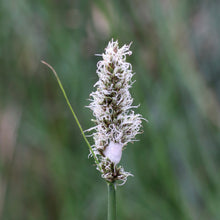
73	113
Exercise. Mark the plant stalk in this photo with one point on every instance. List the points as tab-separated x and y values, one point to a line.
111	201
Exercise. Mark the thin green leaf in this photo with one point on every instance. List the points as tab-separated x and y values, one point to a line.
73	113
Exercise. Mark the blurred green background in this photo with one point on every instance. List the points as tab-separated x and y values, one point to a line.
45	173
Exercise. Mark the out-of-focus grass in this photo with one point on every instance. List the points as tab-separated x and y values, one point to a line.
45	173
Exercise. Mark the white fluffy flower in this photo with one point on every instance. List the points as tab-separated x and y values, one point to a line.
111	103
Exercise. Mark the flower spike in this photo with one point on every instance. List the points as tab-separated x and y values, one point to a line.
116	122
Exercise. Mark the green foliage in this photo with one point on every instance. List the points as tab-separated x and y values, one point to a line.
44	168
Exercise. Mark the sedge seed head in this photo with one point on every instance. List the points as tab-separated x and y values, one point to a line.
111	103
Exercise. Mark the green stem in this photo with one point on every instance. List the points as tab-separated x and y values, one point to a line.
73	113
111	201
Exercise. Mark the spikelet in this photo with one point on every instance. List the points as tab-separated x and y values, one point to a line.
116	122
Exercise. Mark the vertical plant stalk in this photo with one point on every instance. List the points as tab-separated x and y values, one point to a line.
116	124
111	201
